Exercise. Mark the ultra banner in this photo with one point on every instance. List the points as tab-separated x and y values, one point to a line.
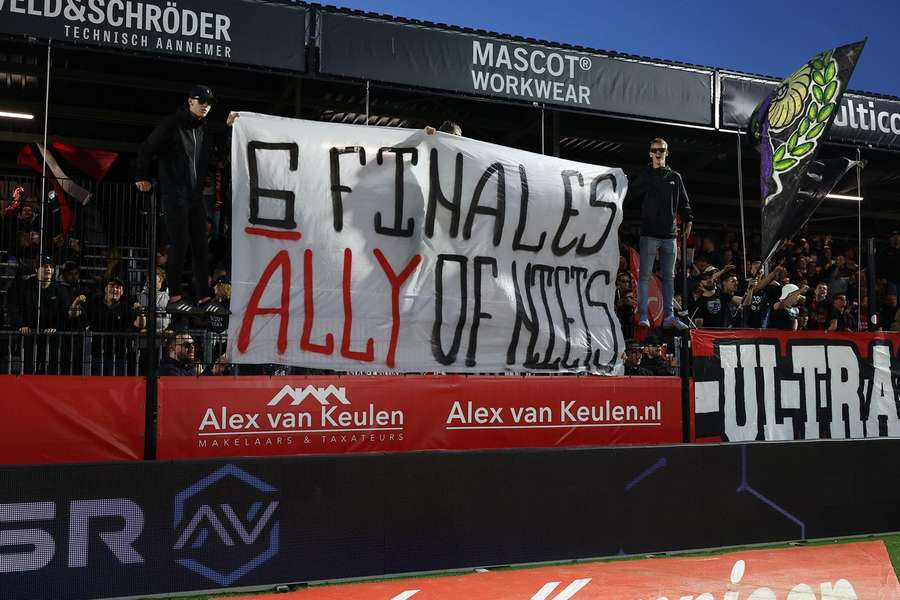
228	32
261	416
382	249
771	385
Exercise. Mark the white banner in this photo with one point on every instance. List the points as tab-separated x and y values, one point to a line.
381	249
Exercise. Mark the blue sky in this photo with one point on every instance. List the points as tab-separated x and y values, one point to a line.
724	34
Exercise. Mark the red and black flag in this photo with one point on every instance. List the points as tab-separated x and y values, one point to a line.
789	126
68	167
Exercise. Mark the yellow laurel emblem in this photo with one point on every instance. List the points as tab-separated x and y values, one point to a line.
789	99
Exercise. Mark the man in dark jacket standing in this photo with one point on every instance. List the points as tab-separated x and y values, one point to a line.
182	144
663	196
37	307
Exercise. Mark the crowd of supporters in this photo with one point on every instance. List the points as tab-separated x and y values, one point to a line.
68	311
815	283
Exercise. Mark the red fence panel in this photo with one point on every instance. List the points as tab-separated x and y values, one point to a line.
59	419
262	416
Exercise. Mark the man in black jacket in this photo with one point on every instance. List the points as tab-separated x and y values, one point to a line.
182	144
180	358
37	307
663	196
37	303
110	319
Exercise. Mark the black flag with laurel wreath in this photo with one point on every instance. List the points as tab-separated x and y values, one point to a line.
789	126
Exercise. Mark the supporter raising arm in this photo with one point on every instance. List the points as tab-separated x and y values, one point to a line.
756	299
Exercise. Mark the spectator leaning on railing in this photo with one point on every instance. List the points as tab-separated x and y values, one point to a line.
633	357
180	358
785	312
162	298
37	306
26	312
841	318
819	308
657	358
106	314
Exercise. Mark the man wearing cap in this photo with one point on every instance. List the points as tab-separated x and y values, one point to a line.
841	318
108	314
218	320
24	315
663	197
37	305
181	143
785	312
715	306
634	354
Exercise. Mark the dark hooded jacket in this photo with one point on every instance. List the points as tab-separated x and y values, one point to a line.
181	142
662	196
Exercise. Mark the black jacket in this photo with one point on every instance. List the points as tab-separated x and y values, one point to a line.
181	142
22	299
170	366
662	196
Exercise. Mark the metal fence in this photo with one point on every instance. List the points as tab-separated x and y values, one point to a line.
98	353
106	236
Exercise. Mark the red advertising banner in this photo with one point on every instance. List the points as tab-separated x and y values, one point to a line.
793	385
838	572
262	416
71	419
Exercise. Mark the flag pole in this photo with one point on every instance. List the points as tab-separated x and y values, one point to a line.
37	325
367	101
859	295
740	166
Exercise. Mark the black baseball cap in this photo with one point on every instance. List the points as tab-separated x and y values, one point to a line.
70	265
652	340
46	260
202	93
115	280
223	279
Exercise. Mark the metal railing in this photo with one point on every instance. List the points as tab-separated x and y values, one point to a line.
101	353
107	236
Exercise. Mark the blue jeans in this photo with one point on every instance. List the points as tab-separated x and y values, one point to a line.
648	248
